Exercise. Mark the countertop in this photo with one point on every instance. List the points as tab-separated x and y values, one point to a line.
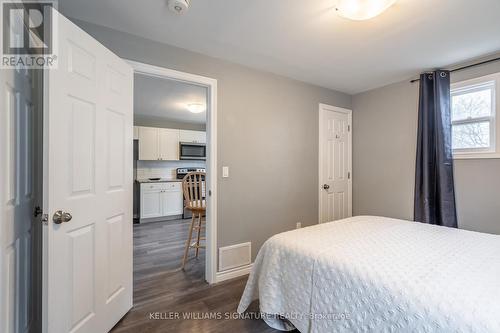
161	180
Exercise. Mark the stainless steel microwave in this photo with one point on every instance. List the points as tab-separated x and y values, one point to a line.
192	151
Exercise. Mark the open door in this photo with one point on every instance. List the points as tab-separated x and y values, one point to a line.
88	146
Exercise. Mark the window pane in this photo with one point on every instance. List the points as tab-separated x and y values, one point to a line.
474	135
471	104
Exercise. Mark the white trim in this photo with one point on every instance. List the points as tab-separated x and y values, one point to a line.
322	109
211	84
494	150
475	155
233	273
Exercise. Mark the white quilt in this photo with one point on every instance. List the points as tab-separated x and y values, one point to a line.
374	274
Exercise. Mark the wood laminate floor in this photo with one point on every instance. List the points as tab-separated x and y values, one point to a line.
164	295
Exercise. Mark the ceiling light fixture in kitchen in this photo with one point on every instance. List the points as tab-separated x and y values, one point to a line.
359	10
196	107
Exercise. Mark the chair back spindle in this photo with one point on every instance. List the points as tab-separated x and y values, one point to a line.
194	188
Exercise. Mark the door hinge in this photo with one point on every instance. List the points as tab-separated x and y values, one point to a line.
348	128
45	219
349	175
38	211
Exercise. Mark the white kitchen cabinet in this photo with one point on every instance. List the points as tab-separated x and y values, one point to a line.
158	144
172	202
151	203
136	132
149	143
161	200
193	136
168	144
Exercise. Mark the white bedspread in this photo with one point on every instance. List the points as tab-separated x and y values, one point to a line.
374	274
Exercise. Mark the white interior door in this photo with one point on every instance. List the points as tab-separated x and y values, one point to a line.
17	195
88	152
335	147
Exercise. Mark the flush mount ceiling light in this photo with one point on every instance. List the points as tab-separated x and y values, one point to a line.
359	10
196	107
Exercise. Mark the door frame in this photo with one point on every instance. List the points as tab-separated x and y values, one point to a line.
323	108
211	216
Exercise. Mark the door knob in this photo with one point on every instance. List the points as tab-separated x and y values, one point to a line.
61	217
326	186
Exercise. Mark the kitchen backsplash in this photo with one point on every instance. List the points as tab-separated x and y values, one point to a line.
163	169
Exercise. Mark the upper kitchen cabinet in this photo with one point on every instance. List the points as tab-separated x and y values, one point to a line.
168	144
158	144
136	132
162	144
192	136
149	148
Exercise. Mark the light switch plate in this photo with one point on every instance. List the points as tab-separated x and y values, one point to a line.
225	172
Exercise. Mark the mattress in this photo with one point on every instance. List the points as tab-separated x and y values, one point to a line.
375	274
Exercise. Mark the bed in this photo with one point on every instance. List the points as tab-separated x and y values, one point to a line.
375	274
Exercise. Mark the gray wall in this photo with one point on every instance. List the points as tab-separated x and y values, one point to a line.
267	135
384	148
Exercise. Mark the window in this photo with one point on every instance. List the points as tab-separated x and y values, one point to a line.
473	118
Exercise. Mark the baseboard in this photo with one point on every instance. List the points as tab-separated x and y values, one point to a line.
233	273
160	219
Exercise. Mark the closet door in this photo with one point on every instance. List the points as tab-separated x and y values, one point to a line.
169	144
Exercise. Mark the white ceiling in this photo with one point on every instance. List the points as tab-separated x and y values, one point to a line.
168	99
307	40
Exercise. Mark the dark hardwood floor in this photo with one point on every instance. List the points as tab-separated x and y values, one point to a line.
164	295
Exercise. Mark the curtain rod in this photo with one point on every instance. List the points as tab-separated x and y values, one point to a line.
466	67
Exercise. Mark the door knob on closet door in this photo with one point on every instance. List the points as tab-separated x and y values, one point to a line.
61	217
326	186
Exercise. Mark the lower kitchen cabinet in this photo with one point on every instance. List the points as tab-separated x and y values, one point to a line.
161	200
151	203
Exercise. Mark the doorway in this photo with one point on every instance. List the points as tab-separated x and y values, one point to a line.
335	163
189	87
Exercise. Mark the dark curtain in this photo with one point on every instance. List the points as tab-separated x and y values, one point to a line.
434	187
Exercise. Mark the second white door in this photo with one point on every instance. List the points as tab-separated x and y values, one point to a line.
335	151
88	150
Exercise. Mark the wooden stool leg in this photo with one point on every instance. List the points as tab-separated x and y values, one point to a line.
199	235
188	243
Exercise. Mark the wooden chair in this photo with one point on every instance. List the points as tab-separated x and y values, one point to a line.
194	188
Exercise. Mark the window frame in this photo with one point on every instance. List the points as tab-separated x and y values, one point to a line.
469	85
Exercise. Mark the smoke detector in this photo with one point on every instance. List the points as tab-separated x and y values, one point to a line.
178	6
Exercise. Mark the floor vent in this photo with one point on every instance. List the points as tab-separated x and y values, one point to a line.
235	256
